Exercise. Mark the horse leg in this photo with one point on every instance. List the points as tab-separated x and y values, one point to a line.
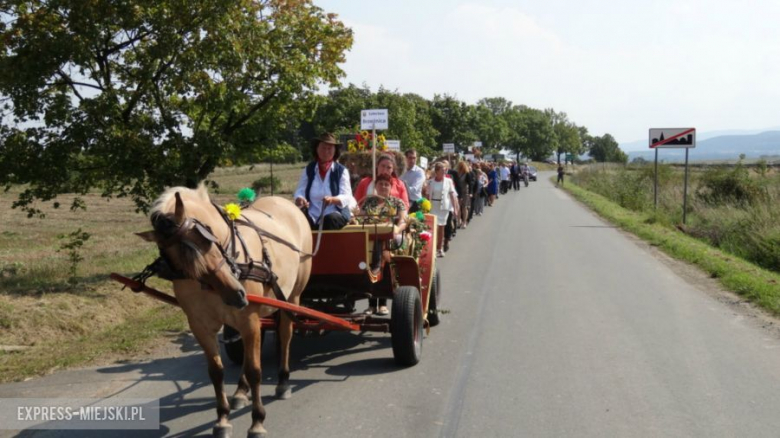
208	341
284	335
241	396
253	377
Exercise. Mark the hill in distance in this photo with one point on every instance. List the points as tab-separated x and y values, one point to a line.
718	147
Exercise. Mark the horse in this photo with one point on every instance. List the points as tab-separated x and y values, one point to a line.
198	240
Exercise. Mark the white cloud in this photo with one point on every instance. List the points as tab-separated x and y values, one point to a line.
613	66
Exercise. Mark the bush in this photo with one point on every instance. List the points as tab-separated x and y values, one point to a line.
720	186
265	183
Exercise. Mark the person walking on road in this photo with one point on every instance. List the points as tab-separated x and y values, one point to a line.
560	176
414	178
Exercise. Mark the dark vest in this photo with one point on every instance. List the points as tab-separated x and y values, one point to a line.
336	170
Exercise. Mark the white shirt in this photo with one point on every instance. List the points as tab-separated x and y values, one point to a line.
320	188
414	179
504	173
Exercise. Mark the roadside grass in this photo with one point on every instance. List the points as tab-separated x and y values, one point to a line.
758	285
50	321
112	342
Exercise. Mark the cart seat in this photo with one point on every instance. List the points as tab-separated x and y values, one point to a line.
380	231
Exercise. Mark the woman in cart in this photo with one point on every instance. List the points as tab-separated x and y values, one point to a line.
324	193
441	192
385	165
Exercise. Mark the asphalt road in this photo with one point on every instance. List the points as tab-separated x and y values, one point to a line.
557	325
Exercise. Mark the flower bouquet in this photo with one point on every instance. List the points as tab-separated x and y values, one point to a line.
364	141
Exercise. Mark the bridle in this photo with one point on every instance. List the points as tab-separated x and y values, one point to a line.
260	271
190	224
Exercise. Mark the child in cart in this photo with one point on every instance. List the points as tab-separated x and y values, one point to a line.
384	208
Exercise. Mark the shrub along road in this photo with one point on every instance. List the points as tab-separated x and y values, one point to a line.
559	325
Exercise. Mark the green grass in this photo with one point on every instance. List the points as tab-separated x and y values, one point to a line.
61	324
142	331
754	283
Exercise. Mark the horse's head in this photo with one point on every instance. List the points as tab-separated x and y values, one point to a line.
190	245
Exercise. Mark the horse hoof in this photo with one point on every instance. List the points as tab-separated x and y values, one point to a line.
283	392
238	402
222	431
257	433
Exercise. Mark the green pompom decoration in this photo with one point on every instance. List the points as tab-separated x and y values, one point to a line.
419	215
246	195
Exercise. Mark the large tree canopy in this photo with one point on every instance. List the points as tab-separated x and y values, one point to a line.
605	148
137	95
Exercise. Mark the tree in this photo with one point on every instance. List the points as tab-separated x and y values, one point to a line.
133	96
606	149
531	133
490	127
452	119
567	135
410	119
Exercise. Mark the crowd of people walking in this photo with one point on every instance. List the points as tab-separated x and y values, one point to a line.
459	191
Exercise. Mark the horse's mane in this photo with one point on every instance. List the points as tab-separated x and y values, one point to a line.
161	215
165	204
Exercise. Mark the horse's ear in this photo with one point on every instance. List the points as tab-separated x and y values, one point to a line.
179	215
149	236
203	192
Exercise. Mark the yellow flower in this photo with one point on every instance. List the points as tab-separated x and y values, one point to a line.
233	211
425	205
380	138
365	134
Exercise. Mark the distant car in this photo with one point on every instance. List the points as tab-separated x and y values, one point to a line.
532	173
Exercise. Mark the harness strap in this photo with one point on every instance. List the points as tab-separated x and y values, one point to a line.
275	238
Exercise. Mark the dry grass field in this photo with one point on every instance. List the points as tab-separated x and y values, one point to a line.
49	320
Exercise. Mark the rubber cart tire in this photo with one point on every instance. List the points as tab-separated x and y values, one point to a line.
406	326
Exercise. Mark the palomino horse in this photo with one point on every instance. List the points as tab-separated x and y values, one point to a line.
200	242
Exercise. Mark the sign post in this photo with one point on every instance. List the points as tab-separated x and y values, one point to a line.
373	119
449	148
672	138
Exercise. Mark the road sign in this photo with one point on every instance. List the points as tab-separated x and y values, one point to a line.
449	148
393	145
373	119
672	138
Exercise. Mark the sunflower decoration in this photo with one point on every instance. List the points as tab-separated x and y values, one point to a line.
363	141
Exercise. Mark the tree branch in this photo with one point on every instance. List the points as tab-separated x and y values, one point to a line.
229	129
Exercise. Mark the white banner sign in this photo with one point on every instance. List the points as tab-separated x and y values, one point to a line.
423	163
477	144
469	157
672	138
449	147
393	145
373	119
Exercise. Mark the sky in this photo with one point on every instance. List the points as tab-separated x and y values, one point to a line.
614	66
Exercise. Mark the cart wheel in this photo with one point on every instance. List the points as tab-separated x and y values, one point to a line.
234	345
406	326
433	301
